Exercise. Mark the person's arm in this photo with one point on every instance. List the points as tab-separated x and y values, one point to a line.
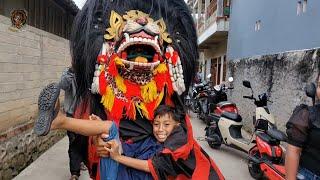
134	163
93	127
292	161
128	161
297	131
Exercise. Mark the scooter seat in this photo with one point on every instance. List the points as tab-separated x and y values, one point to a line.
276	134
233	116
225	103
270	140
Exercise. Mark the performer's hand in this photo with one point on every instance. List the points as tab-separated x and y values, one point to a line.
94	117
101	144
113	149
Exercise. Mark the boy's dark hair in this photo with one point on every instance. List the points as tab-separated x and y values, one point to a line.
176	114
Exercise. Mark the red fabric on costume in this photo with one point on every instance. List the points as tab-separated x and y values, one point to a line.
117	110
184	151
102	83
152	170
112	68
132	89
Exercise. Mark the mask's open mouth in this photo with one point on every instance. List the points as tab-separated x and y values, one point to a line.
140	54
139	51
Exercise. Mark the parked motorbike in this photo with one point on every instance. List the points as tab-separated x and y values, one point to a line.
219	101
226	129
214	101
266	159
188	99
199	97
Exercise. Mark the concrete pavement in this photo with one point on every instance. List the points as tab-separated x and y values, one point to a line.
51	165
54	164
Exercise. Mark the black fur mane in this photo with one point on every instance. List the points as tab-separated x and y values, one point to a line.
90	24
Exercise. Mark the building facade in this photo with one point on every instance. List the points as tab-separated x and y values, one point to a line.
274	44
212	21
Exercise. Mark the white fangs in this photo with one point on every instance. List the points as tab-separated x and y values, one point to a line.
132	64
139	40
126	35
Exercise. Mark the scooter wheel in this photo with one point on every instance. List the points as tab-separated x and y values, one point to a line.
216	144
213	145
254	168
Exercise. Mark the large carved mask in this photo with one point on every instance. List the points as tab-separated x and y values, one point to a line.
137	67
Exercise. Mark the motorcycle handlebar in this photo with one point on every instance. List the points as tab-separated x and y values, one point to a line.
247	97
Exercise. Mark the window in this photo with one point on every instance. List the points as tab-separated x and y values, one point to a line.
299	8
257	26
304	6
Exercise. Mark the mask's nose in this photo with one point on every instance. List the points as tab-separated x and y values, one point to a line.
142	21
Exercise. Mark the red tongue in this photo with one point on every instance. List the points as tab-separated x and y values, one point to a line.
124	55
142	34
155	58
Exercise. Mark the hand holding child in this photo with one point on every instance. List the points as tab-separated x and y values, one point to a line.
114	149
98	140
94	117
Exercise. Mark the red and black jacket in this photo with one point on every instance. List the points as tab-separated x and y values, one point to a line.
183	158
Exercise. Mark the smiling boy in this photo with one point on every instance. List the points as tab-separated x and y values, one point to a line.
171	132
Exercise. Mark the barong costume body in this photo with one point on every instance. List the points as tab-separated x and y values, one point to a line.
129	57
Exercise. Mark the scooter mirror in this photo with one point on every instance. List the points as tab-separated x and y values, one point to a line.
246	84
230	79
310	90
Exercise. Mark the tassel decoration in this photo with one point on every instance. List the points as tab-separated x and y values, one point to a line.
152	106
133	89
108	99
141	108
112	68
120	84
131	111
117	110
162	68
149	91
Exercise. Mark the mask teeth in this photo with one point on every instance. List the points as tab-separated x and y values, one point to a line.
104	48
175	71
95	81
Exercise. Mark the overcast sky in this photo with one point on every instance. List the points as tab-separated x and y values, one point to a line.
79	3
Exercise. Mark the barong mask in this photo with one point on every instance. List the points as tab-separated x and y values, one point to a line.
135	65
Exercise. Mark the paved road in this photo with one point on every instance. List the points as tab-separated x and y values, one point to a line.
53	164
